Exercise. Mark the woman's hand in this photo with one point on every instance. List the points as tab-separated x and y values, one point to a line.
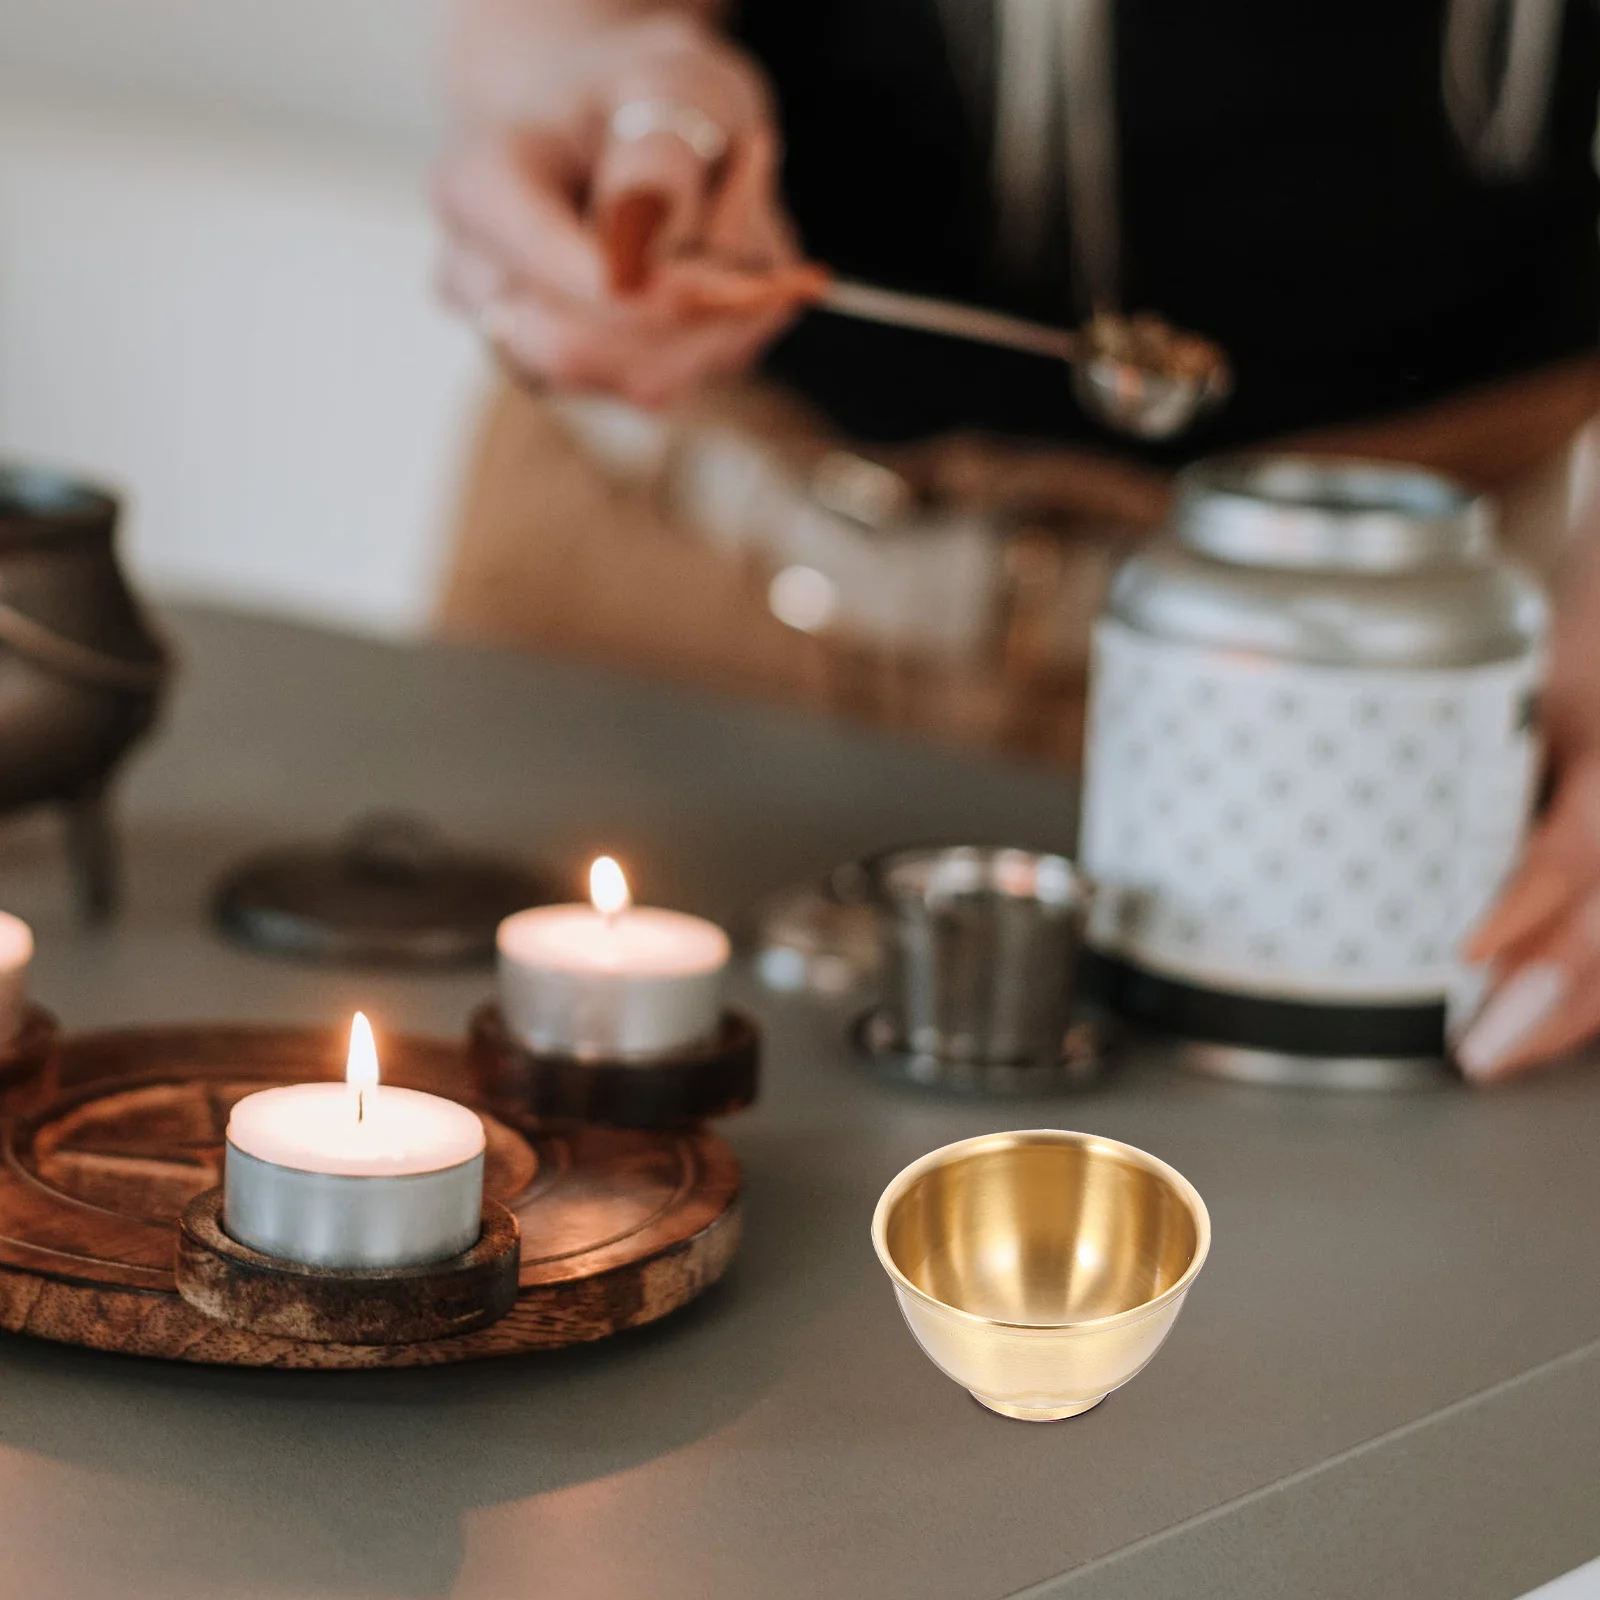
624	231
1542	941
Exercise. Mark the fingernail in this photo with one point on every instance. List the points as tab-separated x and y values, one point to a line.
1520	1007
1469	988
628	230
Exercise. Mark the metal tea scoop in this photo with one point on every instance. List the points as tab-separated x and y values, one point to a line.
1136	374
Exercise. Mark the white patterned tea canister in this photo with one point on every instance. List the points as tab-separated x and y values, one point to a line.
1312	755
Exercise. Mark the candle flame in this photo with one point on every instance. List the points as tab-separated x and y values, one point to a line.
361	1066
608	888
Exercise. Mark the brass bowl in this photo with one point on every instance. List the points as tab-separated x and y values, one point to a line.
1040	1270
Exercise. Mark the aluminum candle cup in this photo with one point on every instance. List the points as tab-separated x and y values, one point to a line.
1040	1270
984	951
413	1195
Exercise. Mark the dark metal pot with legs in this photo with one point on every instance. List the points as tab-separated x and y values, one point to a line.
81	670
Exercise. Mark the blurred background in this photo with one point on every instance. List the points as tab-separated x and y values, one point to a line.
215	264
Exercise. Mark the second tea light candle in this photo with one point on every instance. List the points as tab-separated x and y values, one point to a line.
610	980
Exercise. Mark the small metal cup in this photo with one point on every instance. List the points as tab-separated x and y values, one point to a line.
1041	1269
984	951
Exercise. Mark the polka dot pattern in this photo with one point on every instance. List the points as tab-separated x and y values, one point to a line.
1278	829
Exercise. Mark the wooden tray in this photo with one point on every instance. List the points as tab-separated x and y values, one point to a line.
619	1226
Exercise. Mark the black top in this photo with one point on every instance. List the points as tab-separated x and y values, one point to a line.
1291	187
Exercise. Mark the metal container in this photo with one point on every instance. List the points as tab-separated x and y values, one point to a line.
81	670
368	1222
1311	759
1043	1269
982	961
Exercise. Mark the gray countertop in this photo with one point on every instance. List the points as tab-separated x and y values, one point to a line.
1386	1381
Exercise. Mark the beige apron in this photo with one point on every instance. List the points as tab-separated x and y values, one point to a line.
674	548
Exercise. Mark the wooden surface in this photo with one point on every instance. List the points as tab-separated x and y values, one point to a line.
713	1079
29	1065
230	1282
618	1227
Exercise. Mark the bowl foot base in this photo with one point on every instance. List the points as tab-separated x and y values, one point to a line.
1037	1413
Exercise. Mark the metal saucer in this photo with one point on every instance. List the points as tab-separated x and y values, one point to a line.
1333	1074
1087	1052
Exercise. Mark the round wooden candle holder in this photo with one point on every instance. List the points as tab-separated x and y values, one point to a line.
618	1226
712	1079
29	1065
326	1305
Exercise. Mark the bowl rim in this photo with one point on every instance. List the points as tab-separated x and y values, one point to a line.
1011	1139
878	868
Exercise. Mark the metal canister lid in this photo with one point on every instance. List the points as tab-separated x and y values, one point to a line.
390	891
1330	514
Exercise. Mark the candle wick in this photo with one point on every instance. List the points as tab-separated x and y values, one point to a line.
361	1105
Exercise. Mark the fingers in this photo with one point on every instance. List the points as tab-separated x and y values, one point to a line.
692	321
468	280
715	349
512	198
746	222
630	228
1546	1006
737	228
631	233
708	288
747	260
583	249
678	113
1535	896
652	363
665	168
1561	863
1543	941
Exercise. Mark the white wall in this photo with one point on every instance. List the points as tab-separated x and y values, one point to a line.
362	69
214	290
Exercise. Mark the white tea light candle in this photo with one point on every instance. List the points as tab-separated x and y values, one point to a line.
353	1174
16	955
610	980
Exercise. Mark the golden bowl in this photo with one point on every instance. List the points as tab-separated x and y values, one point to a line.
1040	1270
